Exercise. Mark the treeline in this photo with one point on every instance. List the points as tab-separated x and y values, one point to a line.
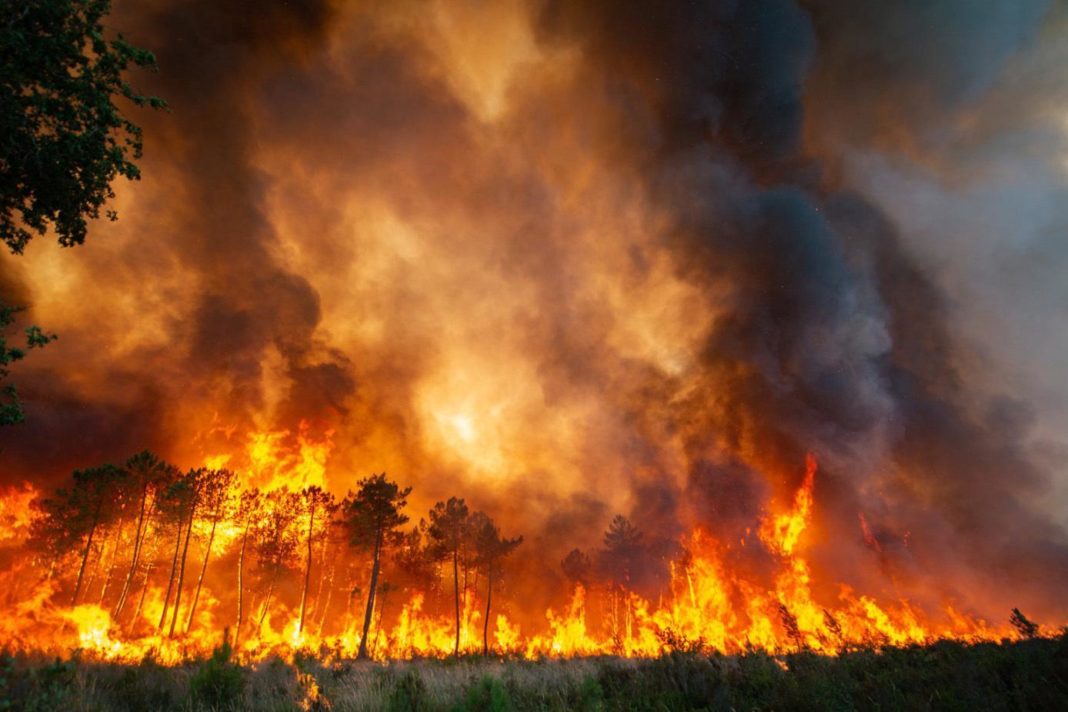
126	528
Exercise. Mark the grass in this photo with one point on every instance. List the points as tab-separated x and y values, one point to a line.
1011	675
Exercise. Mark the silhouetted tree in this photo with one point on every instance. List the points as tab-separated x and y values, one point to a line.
577	567
148	477
415	564
791	627
10	405
216	499
372	515
1023	625
447	529
74	515
178	506
617	560
491	550
194	481
63	140
276	539
248	509
317	503
90	504
622	549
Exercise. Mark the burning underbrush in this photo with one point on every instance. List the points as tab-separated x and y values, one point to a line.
144	562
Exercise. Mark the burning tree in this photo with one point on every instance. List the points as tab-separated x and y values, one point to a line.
372	516
578	568
316	502
276	540
447	531
248	510
618	558
491	550
217	500
179	504
148	477
78	514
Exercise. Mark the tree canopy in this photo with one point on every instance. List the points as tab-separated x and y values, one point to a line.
10	405
63	138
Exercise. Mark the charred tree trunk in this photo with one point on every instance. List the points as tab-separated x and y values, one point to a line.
112	558
381	617
329	596
322	578
203	569
144	590
371	595
85	555
266	603
170	580
181	569
456	595
485	623
307	571
142	527
241	582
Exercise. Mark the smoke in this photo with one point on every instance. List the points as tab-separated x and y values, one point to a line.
569	259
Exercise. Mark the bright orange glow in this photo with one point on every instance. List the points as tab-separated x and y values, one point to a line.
709	606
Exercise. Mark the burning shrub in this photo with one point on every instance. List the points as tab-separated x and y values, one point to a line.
1024	626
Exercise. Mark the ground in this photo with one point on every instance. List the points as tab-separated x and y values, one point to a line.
1011	675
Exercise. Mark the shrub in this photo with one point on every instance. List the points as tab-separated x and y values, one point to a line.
409	694
218	683
487	695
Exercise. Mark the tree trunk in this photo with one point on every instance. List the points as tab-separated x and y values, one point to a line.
138	537
485	623
456	594
381	617
307	570
113	554
329	596
203	569
362	654
144	590
266	603
241	582
107	578
85	556
322	578
95	563
170	581
181	569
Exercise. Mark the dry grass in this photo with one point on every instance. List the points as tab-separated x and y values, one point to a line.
1024	675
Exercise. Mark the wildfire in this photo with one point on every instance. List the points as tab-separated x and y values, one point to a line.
16	513
710	606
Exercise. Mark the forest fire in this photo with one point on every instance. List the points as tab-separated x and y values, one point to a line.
536	329
246	550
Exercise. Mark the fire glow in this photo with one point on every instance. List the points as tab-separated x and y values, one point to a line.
706	605
564	261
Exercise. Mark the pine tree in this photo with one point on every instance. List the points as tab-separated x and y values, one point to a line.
372	515
447	529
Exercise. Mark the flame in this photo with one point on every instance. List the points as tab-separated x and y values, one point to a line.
711	605
16	513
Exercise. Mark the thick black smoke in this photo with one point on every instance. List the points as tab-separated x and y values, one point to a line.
833	340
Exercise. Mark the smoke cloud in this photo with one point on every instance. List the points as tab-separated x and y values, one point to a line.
572	259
